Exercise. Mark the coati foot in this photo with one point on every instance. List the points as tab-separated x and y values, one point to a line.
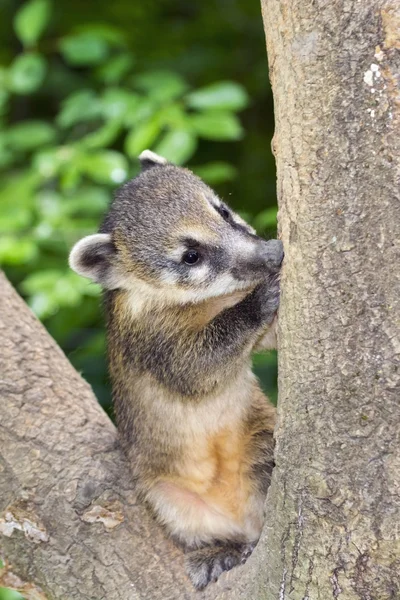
247	551
204	566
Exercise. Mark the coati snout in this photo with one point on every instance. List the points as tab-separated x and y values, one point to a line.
267	257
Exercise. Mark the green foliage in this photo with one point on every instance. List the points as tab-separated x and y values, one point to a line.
31	20
26	73
7	594
224	95
85	94
58	172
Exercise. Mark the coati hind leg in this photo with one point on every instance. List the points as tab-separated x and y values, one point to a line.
216	513
204	566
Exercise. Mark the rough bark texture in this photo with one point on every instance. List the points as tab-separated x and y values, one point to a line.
69	520
333	511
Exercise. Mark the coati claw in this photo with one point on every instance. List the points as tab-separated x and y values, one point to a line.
206	565
247	552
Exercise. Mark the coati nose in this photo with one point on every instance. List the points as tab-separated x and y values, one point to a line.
273	253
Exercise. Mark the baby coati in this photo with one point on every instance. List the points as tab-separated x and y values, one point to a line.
190	291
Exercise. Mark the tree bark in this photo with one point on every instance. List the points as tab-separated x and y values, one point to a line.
69	519
333	509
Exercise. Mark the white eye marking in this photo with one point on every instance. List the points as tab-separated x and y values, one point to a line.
168	277
177	253
223	284
245	247
212	203
241	221
200	273
216	202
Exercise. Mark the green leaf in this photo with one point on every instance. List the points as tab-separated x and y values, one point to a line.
143	110
215	173
90	201
13	217
26	73
28	135
7	594
177	146
46	163
216	125
142	137
51	289
117	102
4	95
43	305
107	166
109	33
104	136
226	95
41	281
173	116
161	85
7	156
116	68
49	205
79	106
31	20
266	219
71	173
17	201
84	49
49	162
17	251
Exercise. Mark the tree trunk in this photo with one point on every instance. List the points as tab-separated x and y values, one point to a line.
333	510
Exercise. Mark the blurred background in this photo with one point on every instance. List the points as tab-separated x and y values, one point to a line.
84	88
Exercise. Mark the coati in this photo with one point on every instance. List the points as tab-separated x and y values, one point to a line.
190	290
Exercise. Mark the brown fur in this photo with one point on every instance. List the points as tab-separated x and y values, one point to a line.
192	418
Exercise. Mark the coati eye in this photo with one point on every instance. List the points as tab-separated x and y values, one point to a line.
224	212
191	257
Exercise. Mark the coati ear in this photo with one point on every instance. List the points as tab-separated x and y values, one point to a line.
150	159
92	257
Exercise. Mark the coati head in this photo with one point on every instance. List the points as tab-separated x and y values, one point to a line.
168	234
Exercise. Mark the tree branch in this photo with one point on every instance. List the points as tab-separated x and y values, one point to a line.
69	518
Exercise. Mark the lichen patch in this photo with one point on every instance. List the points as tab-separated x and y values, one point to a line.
369	77
110	517
33	531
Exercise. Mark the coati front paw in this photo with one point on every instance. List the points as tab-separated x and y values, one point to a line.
272	296
247	551
206	565
267	296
